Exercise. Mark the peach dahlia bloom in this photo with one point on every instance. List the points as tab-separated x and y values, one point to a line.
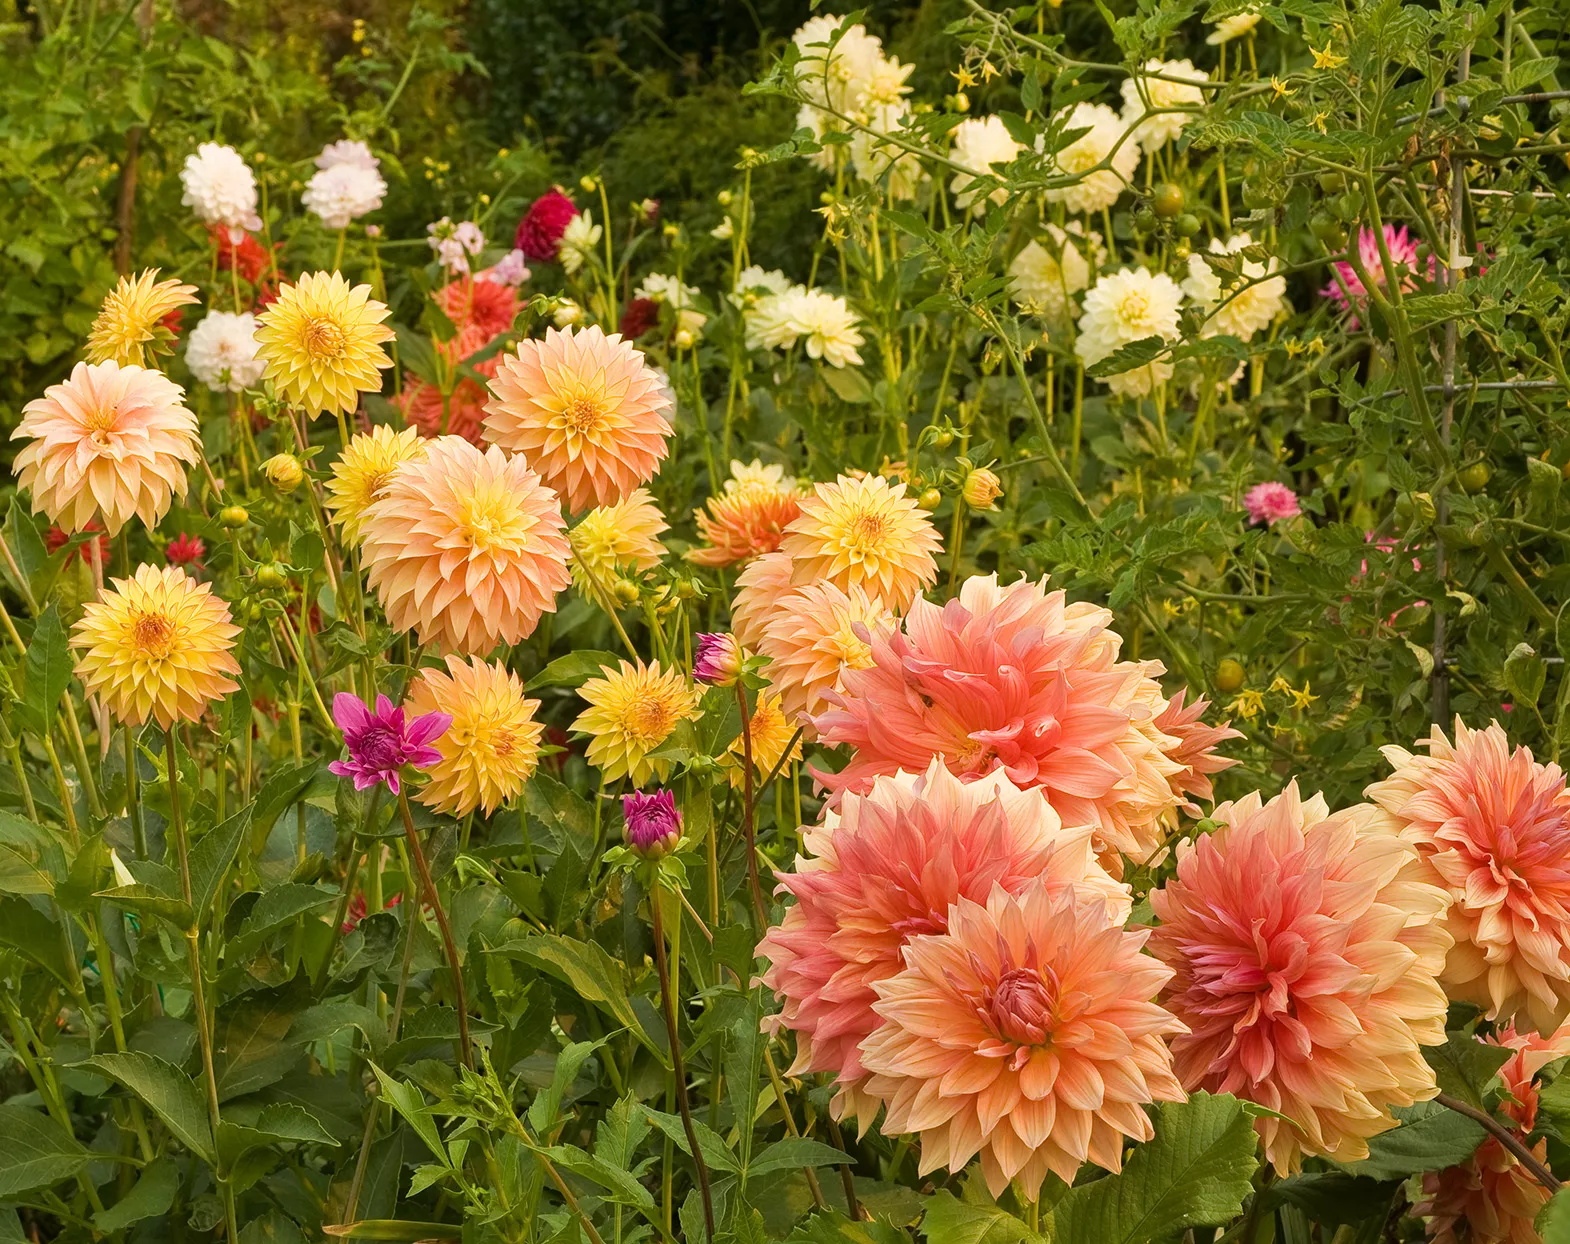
746	520
587	411
763	583
1492	826
889	865
811	636
1196	747
1305	949
1027	1031
466	548
864	532
109	442
1014	678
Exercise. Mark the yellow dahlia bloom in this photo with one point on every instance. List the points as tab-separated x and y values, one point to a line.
864	532
322	343
613	539
771	733
110	442
632	710
493	745
810	638
465	547
131	316
362	471
157	645
586	410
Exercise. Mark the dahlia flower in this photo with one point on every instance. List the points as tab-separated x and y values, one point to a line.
1156	131
769	734
322	343
220	187
1270	502
363	470
824	324
1122	308
638	317
836	73
347	151
1234	27
755	282
540	231
632	710
56	538
462	411
1305	951
380	743
131	316
1244	313
1013	678
1027	1031
157	646
863	532
613	540
183	550
221	351
492	744
760	587
109	442
653	826
1044	279
1097	187
745	520
811	636
979	145
717	659
343	192
891	864
1403	254
1492	827
485	309
585	409
1195	746
578	241
510	270
465	548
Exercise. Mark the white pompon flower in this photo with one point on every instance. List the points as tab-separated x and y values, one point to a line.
1101	188
1254	306
826	326
511	269
1155	132
1045	275
1229	28
978	145
348	151
343	192
1123	307
578	241
221	351
663	288
220	187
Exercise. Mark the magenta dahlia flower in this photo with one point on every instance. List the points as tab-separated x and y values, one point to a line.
653	824
381	743
1270	503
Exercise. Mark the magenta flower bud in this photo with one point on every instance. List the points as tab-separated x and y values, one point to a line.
653	824
718	661
381	743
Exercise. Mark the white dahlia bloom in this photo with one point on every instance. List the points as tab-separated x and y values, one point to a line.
220	187
826	325
874	157
578	241
343	192
1044	278
1154	132
221	351
755	283
978	145
836	77
348	151
1099	189
1229	28
1252	309
1124	307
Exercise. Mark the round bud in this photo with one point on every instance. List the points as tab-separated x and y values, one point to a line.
1186	225
943	438
284	472
270	576
1229	677
626	591
930	499
233	516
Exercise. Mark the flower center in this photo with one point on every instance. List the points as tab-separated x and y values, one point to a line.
649	721
1021	1007
867	530
582	413
324	338
100	421
490	523
380	748
1135	308
153	635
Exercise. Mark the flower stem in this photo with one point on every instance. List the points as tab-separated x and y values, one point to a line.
746	809
428	886
1505	1137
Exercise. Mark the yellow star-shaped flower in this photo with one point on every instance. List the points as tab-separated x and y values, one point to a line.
1281	89
964	78
988	72
1326	59
1248	705
1303	698
1318	121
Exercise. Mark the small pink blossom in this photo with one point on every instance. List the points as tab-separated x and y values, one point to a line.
381	743
1270	502
1403	253
510	269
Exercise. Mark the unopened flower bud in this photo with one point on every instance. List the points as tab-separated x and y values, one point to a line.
653	826
717	662
649	211
626	591
930	499
283	472
233	516
982	489
724	197
683	339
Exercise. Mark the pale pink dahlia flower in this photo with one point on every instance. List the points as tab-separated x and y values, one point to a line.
889	865
586	410
1492	826
1014	678
1305	949
466	548
1269	503
811	636
1027	1031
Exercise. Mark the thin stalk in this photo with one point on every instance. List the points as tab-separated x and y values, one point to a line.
746	810
1505	1137
460	999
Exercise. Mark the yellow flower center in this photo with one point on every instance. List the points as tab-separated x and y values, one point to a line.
324	338
101	421
850	650
489	521
1134	308
582	413
867	529
153	635
650	720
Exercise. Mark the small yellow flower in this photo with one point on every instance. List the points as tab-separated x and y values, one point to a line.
1281	89
132	315
1248	705
963	78
322	343
1302	699
493	745
770	733
632	711
1326	59
1318	121
362	471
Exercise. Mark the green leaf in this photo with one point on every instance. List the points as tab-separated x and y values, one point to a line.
545	1109
37	1151
146	900
715	1152
591	973
1466	1067
574	669
252	1045
279	792
620	1186
152	1197
32	558
832	1227
211	859
169	1092
1430	1138
949	1220
848	383
46	672
277	1124
1553	1220
796	1152
407	1100
276	909
23	927
328	1019
1127	358
1196	1172
30	857
396	1230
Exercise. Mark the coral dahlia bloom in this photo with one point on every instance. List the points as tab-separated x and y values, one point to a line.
1028	1032
465	548
1014	678
492	747
1196	744
487	306
131	316
363	469
864	532
812	635
1306	950
109	442
1492	826
462	413
587	410
891	864
322	343
632	710
748	519
158	645
763	583
612	540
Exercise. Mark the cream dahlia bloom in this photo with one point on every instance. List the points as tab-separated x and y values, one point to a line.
466	548
157	646
1155	131
322	343
1305	949
836	72
824	324
1014	679
874	158
492	747
864	532
1044	279
364	469
578	241
613	540
1252	307
1104	142
108	443
1234	27
221	352
1026	1031
220	187
343	192
762	584
1492	827
632	710
347	151
1124	307
812	635
587	411
889	865
131	316
980	144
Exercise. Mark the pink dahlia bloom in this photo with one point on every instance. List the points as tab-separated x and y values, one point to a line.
539	232
1270	503
1196	747
381	743
1403	253
1014	678
889	865
1492	827
1305	949
1027	1032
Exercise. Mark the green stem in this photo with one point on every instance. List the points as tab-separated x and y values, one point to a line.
428	886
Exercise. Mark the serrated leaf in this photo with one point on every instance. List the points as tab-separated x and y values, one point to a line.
1429	1138
1127	358
211	859
1465	1067
795	1152
949	1220
1553	1220
37	1152
171	1094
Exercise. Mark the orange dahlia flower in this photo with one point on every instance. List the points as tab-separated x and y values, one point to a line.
867	533
812	635
763	583
747	519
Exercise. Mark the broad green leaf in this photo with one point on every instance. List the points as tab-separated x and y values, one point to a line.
394	1230
151	1197
328	1019
37	1152
574	669
546	1108
172	1095
715	1152
1466	1067
46	672
145	900
24	928
276	1124
276	909
30	858
252	1043
211	859
408	1101
279	792
949	1220
796	1152
833	1227
1429	1138
1127	358
32	556
1553	1220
